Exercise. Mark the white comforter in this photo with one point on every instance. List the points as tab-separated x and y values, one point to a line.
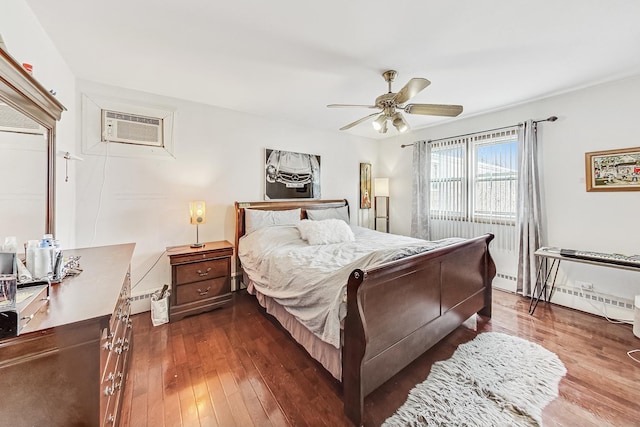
310	281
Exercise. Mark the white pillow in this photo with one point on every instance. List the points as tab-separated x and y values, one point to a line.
335	213
255	218
325	232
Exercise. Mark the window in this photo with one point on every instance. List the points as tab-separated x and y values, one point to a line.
449	180
475	179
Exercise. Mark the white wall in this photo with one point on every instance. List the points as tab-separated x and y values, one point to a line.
598	118
27	42
218	157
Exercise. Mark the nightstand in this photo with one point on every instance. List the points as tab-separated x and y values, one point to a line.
200	278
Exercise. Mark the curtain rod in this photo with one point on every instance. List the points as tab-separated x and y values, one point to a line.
548	119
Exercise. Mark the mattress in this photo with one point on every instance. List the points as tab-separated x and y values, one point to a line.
309	281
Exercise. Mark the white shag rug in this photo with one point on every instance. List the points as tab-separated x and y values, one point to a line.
493	380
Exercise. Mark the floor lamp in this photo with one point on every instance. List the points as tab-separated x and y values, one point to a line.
381	190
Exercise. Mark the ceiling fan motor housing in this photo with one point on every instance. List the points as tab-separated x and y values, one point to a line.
391	101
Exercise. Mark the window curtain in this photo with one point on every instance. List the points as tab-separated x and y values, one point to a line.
528	218
420	187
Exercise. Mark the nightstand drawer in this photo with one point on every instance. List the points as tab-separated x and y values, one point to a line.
202	270
202	290
201	255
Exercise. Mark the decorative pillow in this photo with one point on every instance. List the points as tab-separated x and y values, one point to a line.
325	232
331	213
255	218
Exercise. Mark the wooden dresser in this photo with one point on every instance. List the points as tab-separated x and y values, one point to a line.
200	278
69	364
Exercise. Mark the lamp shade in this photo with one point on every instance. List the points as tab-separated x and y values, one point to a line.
381	187
400	123
379	122
198	212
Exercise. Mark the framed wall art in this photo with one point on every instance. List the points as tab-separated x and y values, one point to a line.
290	175
613	170
365	185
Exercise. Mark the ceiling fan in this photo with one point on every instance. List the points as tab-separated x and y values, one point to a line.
390	103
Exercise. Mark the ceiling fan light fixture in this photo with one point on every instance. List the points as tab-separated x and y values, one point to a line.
400	123
380	122
391	102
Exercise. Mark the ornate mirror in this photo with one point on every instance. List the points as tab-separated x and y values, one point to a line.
28	115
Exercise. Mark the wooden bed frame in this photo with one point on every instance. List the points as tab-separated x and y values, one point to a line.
398	310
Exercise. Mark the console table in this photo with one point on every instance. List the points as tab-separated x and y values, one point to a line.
550	259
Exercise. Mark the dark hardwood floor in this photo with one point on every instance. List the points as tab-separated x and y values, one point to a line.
234	367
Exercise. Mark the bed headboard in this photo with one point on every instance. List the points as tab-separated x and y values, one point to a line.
279	206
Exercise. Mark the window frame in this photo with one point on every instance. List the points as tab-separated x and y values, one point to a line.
470	177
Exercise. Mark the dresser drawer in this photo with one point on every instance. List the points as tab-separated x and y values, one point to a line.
204	270
202	290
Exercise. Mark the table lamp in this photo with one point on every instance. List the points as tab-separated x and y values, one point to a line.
198	214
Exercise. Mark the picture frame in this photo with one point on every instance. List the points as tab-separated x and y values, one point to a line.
613	170
291	175
365	186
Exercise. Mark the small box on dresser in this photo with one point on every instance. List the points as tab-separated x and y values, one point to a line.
200	278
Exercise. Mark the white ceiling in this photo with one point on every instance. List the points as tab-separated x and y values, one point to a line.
288	59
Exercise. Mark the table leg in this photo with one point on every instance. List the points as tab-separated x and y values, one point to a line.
542	293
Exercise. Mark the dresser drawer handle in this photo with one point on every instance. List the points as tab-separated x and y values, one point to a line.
205	273
202	293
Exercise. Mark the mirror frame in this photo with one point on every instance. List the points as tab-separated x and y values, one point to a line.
20	90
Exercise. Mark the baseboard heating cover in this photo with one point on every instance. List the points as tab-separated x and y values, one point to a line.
141	301
506	277
611	306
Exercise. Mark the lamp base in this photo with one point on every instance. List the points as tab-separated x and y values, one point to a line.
198	245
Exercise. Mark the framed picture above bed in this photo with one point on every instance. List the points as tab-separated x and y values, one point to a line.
290	175
365	185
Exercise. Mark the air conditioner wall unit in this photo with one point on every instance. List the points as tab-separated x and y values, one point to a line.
132	129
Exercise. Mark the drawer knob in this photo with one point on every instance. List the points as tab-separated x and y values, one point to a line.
204	273
202	293
108	391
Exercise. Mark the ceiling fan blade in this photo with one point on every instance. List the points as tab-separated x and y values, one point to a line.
411	89
357	122
434	109
350	105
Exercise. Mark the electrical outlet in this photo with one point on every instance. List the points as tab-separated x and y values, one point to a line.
587	286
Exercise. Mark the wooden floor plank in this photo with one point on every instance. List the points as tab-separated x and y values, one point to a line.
204	406
219	400
155	408
251	373
188	407
170	391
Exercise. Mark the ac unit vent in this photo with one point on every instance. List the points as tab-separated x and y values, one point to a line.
132	129
14	121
